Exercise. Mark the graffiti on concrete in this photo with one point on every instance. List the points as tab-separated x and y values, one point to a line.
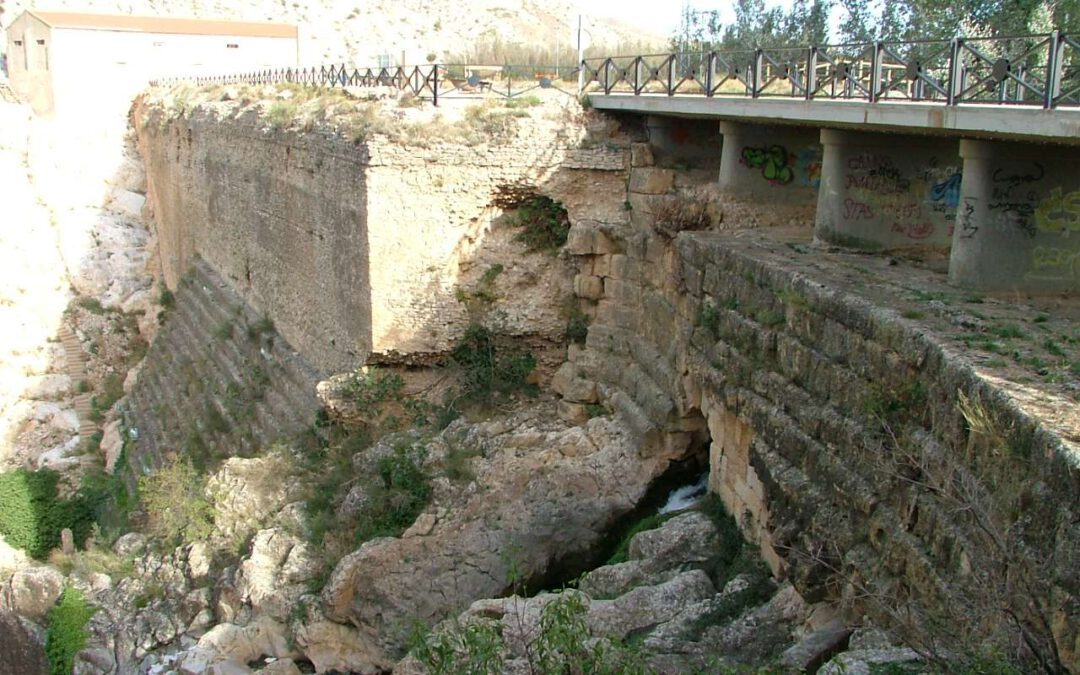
774	161
1014	197
856	210
877	173
965	218
920	229
916	203
947	192
1055	263
1059	212
808	167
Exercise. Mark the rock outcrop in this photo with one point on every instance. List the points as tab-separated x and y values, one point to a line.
544	495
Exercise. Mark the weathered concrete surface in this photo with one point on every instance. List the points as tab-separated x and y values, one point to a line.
770	164
1019	219
881	192
1058	126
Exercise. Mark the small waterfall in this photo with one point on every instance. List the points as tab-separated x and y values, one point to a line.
686	496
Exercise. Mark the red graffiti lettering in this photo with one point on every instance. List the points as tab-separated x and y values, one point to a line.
856	210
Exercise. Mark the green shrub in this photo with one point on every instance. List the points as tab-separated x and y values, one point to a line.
563	644
709	319
177	509
544	224
224	330
112	389
92	305
31	516
367	390
66	634
281	114
474	649
577	326
166	298
259	328
487	369
401	493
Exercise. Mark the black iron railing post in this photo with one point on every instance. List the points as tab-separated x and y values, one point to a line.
710	67
755	77
956	71
875	70
435	85
1053	70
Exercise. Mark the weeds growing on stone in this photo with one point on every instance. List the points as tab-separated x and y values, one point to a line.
177	508
67	634
224	330
709	319
544	224
92	305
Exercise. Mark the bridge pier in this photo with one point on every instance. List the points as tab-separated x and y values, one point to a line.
1018	223
881	192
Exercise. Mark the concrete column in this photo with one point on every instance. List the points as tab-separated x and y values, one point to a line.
884	192
1018	225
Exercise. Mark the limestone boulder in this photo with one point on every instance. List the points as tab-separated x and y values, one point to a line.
22	646
277	573
332	646
646	606
248	492
11	559
31	592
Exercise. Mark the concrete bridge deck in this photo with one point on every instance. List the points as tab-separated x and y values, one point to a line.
973	120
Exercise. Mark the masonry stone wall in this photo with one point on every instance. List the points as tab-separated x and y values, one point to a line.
361	249
838	432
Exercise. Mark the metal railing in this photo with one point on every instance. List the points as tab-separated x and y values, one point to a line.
1033	70
429	81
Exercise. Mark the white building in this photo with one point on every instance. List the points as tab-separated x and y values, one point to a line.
65	60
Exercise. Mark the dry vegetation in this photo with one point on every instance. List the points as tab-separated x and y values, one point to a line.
358	114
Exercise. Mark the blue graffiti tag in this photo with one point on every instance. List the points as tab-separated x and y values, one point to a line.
947	191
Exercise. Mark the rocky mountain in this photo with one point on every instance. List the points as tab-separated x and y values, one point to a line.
360	32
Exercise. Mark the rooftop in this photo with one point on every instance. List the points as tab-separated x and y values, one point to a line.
154	24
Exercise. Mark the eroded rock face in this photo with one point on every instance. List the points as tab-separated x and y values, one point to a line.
21	646
543	494
685	622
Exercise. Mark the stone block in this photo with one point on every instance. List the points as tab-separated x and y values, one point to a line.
652	181
560	381
588	287
572	413
641	155
621	292
586	239
601	265
579	390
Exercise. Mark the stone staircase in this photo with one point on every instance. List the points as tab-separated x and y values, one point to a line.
75	367
217	382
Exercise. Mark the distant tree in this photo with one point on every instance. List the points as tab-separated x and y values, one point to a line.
699	30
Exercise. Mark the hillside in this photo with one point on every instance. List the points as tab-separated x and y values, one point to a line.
358	32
